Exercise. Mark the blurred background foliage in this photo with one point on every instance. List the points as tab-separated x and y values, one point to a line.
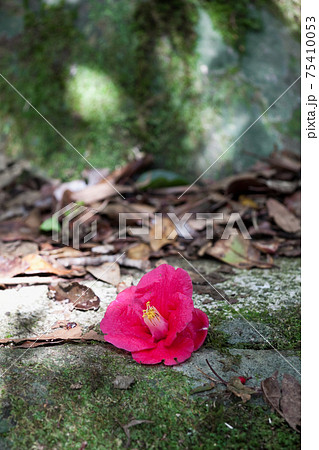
117	75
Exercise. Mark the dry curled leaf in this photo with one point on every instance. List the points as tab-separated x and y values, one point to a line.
11	266
38	264
285	220
80	296
269	247
285	399
58	336
139	251
239	389
237	252
107	272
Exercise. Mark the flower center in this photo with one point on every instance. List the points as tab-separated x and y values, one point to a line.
156	323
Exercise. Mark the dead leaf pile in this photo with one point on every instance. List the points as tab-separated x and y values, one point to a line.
267	198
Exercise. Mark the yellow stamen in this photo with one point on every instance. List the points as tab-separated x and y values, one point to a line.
151	314
155	322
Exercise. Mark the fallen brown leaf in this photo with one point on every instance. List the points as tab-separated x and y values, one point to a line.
64	252
282	216
237	252
11	266
290	248
38	264
58	336
240	390
92	336
139	251
94	193
18	248
269	247
82	297
293	203
286	400
107	272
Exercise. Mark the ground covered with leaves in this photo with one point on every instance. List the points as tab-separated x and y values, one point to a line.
62	386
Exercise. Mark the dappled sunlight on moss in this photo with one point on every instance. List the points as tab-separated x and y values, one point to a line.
92	94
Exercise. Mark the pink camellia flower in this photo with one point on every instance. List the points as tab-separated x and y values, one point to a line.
156	320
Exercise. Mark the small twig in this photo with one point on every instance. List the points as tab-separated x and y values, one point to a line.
207	376
223	381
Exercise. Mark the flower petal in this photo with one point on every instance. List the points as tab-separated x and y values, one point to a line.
123	323
180	316
197	329
160	286
178	352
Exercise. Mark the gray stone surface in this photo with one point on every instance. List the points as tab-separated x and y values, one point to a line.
258	364
27	311
238	88
260	290
239	331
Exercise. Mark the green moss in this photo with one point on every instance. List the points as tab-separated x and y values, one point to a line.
167	102
108	76
46	411
286	324
234	18
215	338
111	76
46	64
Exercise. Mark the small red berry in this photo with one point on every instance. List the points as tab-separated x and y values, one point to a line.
244	379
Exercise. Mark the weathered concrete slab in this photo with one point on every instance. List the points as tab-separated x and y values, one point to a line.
259	364
240	331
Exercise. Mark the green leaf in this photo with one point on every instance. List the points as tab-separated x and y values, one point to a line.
160	178
50	224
